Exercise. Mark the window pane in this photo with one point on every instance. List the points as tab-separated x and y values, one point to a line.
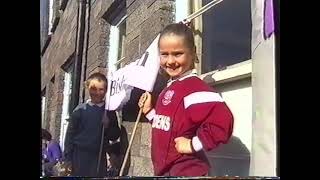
122	38
122	35
43	108
226	34
71	90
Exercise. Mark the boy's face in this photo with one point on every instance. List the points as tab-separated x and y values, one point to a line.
97	90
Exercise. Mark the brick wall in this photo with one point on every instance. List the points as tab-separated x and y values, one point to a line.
62	44
145	19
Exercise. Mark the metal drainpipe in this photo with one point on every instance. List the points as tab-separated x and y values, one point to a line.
86	50
76	77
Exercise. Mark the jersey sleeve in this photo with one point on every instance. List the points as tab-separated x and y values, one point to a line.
215	118
150	115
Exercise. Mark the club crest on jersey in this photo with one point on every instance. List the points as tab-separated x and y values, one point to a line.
167	97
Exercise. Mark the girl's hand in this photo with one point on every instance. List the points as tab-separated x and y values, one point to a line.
145	102
183	145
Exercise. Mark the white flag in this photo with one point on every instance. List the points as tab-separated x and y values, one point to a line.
141	74
118	93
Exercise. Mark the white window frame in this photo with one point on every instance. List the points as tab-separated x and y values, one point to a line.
50	16
67	90
114	46
43	108
230	73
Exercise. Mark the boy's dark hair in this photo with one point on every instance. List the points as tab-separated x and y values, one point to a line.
99	76
179	29
46	135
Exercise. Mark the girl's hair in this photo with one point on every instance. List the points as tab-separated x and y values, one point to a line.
182	30
98	76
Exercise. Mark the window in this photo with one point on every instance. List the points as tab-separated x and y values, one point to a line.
227	32
67	91
67	95
117	42
222	33
116	17
43	106
50	16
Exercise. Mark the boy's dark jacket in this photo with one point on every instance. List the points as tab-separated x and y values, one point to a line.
90	117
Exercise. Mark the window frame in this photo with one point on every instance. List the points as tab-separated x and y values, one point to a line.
226	74
68	69
43	106
114	57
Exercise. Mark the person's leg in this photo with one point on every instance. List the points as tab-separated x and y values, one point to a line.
82	163
103	165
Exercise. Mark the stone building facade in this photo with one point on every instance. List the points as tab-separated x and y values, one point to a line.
87	36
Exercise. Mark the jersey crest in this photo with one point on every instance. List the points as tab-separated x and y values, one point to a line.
167	97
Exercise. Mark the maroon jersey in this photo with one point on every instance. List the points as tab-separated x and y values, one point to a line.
190	108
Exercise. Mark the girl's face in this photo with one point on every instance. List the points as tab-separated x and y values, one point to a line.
175	56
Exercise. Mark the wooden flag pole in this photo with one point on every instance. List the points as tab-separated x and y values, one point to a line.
104	117
100	151
131	139
101	142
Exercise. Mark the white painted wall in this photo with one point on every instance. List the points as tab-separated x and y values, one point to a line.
263	161
238	96
264	107
182	10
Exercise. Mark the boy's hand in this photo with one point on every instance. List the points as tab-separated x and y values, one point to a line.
183	145
145	102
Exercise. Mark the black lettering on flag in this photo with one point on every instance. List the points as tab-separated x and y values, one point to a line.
144	59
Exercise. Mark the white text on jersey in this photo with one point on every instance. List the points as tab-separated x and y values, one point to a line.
161	122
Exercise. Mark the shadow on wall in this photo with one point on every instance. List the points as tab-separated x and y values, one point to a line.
124	143
232	159
117	152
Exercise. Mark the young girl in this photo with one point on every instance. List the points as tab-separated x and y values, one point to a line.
189	116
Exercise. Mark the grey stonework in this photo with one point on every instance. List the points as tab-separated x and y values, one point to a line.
145	19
